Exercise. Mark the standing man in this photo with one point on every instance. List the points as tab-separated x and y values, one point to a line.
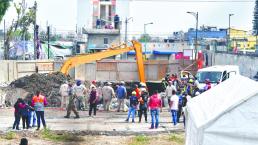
116	21
121	95
64	95
39	102
143	101
108	93
80	91
132	108
93	101
169	90
174	106
93	84
155	108
72	102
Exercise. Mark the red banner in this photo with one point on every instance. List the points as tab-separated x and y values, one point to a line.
180	55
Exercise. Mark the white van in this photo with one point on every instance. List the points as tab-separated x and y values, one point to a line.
216	74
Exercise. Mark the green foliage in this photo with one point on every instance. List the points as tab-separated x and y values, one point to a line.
20	27
53	37
4	5
140	140
176	138
10	135
145	38
65	137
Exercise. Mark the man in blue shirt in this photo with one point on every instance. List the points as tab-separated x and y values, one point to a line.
116	21
133	106
121	94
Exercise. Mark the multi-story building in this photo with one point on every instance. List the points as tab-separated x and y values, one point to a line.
242	39
96	20
208	38
89	11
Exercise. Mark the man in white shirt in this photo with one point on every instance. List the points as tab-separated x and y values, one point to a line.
79	91
107	93
174	106
169	90
64	95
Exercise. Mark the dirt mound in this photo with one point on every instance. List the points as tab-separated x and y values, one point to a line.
48	84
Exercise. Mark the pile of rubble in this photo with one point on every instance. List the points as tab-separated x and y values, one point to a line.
48	84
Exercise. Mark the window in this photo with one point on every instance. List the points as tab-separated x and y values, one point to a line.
105	40
214	77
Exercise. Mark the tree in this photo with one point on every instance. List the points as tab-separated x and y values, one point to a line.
4	5
145	37
255	21
20	27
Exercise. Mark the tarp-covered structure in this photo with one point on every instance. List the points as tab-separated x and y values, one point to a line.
227	114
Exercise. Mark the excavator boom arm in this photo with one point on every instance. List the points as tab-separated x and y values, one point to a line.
82	59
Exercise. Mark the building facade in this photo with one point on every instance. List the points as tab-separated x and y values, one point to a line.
89	11
242	39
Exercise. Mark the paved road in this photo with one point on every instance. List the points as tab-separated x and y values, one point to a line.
104	123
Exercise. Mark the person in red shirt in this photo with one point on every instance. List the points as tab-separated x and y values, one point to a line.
208	85
18	106
155	108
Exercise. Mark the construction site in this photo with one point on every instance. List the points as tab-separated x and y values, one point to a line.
132	72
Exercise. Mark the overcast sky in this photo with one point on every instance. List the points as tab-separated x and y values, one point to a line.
167	16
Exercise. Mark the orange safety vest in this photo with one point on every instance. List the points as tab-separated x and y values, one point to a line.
38	99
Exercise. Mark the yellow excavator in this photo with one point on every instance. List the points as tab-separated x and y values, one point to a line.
86	58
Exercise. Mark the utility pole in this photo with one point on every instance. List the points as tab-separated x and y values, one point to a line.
126	22
145	38
4	35
196	15
196	35
35	29
48	46
229	27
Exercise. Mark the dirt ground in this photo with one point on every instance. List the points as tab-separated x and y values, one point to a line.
162	139
107	128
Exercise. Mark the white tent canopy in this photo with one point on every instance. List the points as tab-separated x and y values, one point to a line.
225	115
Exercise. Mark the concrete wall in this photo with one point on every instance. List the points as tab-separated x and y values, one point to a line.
248	65
11	70
101	70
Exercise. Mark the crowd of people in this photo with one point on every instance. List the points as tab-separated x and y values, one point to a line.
30	111
76	97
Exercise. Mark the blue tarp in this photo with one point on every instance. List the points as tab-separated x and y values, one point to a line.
163	52
133	52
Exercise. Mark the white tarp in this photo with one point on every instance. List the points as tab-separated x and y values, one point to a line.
227	114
